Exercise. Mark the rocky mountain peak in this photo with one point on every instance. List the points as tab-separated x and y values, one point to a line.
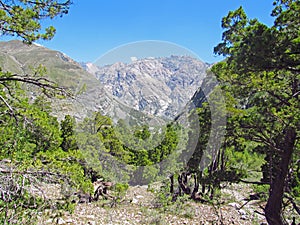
157	86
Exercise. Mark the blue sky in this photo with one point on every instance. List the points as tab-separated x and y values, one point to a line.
94	27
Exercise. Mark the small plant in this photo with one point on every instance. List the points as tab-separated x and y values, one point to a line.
163	198
189	212
120	189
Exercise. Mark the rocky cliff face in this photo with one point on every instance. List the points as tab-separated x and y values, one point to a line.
157	86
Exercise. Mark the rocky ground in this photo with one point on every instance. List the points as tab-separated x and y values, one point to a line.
139	206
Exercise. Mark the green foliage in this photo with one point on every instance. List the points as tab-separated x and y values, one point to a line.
294	177
90	148
68	165
121	189
37	138
105	144
244	161
165	204
262	190
23	18
162	197
203	125
103	137
31	140
43	129
262	74
167	145
264	88
68	134
215	178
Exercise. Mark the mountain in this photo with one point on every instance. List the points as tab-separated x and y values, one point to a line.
150	90
156	86
91	96
17	57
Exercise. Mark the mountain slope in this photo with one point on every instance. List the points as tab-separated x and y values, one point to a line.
17	57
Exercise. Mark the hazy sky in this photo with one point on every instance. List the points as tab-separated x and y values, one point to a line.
94	27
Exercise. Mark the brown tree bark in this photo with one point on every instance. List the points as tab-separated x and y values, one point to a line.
274	204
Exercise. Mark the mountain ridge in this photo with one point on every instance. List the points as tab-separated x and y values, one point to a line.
157	86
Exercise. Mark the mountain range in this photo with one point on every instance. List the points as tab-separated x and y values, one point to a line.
151	89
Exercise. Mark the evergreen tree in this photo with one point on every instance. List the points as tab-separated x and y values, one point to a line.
68	133
262	73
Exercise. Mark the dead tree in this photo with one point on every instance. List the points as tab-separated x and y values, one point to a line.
102	190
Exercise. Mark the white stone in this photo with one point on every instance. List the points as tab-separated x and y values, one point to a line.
244	217
234	204
135	201
242	212
61	221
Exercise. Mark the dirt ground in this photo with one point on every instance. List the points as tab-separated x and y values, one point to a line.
139	206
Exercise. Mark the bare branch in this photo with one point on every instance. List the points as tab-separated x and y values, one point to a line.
10	108
254	182
297	208
41	82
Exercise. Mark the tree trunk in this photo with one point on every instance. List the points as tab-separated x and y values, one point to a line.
274	204
172	184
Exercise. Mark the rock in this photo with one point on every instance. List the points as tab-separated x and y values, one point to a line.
126	222
156	86
90	216
242	212
244	217
135	201
69	220
61	221
234	205
50	221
